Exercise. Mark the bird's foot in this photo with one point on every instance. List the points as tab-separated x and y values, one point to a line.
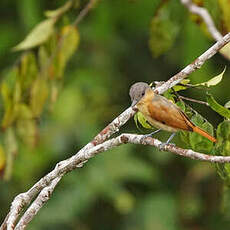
162	145
152	133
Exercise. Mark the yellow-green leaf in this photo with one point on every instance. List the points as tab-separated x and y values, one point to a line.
181	85
9	114
39	94
11	141
23	112
53	93
225	51
6	94
9	117
28	70
70	43
2	158
227	105
11	148
224	5
37	36
214	81
185	81
43	57
27	130
17	92
58	12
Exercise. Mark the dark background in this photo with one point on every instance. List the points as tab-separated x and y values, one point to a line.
129	187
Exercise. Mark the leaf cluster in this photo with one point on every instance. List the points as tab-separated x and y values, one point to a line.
32	85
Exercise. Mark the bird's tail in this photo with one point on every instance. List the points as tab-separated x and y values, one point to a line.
203	133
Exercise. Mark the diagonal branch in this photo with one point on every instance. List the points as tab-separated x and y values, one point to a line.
98	145
105	146
84	12
193	100
23	199
41	199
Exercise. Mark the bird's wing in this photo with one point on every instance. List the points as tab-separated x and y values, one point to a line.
164	111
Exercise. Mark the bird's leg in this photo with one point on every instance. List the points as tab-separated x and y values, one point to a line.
167	142
152	133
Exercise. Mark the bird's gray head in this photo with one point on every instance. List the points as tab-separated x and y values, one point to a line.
137	91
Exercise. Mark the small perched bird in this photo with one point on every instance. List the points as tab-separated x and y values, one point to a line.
162	113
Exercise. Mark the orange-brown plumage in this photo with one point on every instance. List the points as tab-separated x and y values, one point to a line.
162	113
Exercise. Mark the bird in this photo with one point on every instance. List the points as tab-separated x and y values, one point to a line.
162	113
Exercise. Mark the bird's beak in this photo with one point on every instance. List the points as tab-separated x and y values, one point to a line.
134	103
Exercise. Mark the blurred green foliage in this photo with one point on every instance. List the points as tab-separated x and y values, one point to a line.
54	100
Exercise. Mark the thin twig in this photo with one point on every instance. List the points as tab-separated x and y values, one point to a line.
84	11
193	100
204	14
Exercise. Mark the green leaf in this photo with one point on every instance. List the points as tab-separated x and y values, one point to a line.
217	107
169	95
223	148
37	36
182	85
163	32
58	12
184	136
139	118
198	142
223	134
214	81
181	104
